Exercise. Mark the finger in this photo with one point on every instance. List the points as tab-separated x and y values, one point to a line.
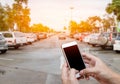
88	56
81	77
65	64
64	67
65	71
86	61
73	73
88	71
87	77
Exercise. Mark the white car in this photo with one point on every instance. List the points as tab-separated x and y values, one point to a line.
77	36
42	35
30	38
14	39
116	46
21	37
62	36
87	38
3	44
93	40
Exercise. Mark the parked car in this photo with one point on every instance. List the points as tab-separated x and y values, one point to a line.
62	36
77	36
107	39
42	35
116	46
93	39
30	38
89	37
3	44
82	36
14	39
21	36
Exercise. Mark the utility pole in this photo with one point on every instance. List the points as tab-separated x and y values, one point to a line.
71	8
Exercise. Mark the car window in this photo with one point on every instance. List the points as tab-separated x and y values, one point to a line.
7	35
114	35
118	37
1	37
19	34
105	35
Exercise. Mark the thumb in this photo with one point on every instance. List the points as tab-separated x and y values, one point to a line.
88	71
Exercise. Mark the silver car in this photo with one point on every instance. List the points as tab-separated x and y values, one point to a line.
3	44
116	46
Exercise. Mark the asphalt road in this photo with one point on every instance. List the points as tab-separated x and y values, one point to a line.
39	63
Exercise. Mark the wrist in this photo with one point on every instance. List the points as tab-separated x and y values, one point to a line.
115	78
112	78
107	78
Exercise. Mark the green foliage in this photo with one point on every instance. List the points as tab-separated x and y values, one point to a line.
3	17
16	15
114	8
40	28
21	15
73	27
108	22
84	26
92	24
21	1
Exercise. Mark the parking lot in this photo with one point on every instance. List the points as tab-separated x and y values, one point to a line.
39	63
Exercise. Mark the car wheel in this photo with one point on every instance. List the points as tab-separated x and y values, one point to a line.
93	45
117	51
16	47
3	51
103	47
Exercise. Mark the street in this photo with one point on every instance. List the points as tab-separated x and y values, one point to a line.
39	63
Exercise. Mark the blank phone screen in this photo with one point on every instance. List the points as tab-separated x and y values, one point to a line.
74	57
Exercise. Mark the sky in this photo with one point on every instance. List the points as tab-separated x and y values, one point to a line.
57	13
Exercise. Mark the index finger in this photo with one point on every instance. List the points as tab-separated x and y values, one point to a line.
88	56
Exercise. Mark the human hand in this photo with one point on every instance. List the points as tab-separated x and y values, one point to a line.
69	75
96	68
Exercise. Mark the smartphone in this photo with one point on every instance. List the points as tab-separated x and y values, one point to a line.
73	56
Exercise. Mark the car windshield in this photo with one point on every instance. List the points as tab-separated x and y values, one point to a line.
7	35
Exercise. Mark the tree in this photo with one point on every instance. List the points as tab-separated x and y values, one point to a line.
3	16
21	15
17	15
95	22
114	8
108	22
73	27
40	28
84	26
10	17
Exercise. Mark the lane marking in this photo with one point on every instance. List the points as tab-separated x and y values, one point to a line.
5	59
